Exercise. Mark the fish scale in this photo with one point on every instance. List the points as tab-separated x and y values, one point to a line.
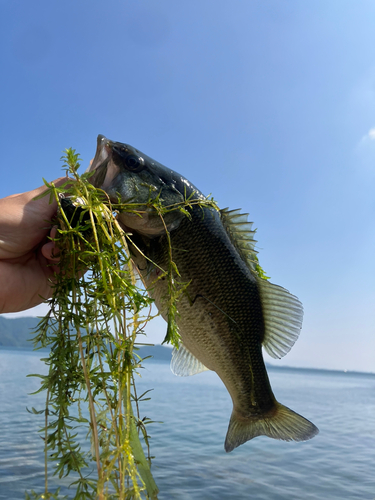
229	310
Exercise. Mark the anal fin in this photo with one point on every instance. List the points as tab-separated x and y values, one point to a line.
184	363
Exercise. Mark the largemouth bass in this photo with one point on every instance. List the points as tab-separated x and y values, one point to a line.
229	311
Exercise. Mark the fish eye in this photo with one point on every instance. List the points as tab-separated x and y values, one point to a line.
131	162
134	163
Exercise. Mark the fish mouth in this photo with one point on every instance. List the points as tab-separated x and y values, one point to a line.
100	163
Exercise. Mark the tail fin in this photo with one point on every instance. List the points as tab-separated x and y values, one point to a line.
280	423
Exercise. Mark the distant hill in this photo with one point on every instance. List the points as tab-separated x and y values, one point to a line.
16	332
158	352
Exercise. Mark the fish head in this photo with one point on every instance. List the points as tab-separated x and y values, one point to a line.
129	176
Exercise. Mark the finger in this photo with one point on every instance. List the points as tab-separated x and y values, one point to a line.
53	233
23	209
43	204
51	252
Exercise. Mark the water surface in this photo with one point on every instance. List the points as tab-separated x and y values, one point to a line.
190	462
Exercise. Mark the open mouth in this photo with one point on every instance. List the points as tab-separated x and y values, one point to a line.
100	162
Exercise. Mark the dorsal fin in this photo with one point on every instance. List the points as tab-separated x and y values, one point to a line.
242	235
184	363
283	314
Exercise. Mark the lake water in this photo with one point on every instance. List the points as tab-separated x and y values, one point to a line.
190	463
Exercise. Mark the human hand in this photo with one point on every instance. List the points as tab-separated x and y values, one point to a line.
27	258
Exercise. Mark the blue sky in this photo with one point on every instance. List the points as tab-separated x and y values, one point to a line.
268	105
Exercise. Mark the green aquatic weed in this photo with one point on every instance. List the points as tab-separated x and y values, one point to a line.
96	314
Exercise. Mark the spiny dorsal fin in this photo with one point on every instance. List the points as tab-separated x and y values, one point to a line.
184	363
241	234
283	314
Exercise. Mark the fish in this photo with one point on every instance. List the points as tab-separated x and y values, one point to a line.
230	311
